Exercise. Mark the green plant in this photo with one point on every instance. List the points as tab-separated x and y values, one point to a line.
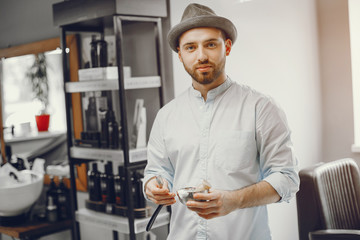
39	81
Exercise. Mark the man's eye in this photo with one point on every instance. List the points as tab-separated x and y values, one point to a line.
190	48
211	45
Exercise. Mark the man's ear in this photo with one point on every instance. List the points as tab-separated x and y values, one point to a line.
228	45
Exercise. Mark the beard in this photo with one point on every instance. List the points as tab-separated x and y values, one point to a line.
206	77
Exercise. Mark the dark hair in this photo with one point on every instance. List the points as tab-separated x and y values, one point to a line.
224	35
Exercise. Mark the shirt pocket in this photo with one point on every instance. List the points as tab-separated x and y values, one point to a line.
235	150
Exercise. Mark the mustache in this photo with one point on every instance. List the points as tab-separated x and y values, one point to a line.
205	62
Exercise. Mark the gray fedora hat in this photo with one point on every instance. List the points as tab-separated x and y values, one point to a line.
196	15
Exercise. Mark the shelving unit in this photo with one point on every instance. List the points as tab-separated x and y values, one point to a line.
136	26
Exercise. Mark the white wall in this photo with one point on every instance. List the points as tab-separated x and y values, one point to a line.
25	21
336	79
277	54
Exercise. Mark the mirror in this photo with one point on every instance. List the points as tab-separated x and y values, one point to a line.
49	47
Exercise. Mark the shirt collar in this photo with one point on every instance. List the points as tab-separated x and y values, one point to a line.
213	93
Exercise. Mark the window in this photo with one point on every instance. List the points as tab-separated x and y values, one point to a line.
354	22
19	107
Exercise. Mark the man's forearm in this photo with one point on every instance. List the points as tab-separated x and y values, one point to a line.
258	194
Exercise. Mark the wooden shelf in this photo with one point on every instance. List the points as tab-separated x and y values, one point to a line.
113	84
35	230
136	155
117	223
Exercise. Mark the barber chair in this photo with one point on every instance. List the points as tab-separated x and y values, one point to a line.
328	202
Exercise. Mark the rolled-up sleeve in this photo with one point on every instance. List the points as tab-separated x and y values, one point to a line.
278	163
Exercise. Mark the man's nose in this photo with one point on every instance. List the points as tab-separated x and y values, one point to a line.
202	55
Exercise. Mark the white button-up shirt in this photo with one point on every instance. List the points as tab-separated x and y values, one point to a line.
236	138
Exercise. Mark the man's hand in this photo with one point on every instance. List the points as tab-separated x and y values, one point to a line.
216	203
160	196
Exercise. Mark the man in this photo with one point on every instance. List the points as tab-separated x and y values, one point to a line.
221	131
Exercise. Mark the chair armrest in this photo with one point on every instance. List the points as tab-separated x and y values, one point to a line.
335	234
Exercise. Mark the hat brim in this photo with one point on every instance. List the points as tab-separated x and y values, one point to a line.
201	21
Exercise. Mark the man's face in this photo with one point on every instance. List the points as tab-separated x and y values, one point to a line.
203	52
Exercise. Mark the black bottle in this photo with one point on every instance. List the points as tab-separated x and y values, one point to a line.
94	183
107	184
51	201
52	189
63	199
112	128
133	190
119	187
103	186
91	115
140	199
102	116
93	52
51	209
103	52
104	131
110	189
104	123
